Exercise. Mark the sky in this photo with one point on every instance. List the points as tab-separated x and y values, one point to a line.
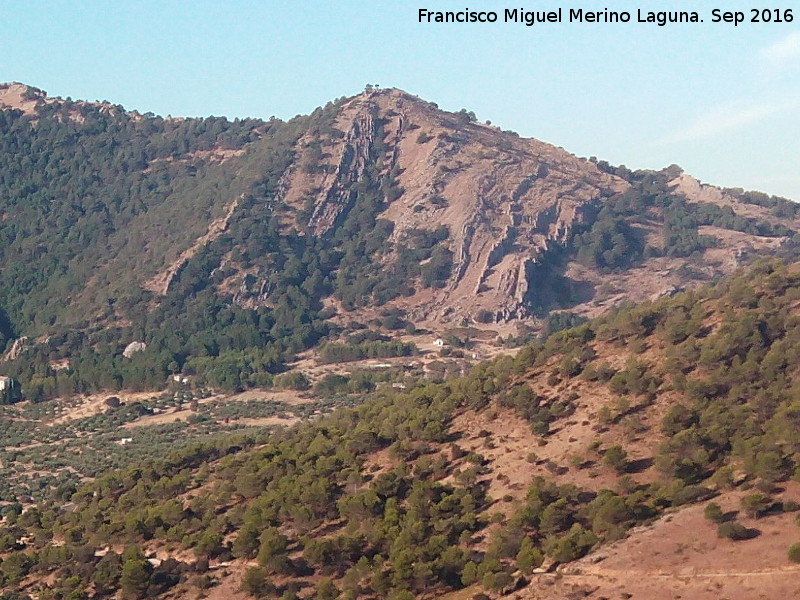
718	99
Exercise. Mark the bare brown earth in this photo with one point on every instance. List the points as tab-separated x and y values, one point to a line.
88	406
16	96
229	587
680	556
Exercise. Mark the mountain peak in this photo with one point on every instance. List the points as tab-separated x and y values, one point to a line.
19	96
504	200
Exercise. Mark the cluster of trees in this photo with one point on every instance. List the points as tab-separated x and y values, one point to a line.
336	353
612	241
780	207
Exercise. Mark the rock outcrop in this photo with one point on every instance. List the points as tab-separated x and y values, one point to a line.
504	199
19	346
133	348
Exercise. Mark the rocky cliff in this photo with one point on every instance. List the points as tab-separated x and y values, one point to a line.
504	199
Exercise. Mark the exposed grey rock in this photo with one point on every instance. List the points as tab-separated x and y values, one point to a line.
133	348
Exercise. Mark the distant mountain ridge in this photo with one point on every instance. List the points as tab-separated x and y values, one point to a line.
114	224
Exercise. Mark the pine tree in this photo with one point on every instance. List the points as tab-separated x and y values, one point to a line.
135	573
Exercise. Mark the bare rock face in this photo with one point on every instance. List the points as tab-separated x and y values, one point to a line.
133	348
352	167
504	199
161	283
19	346
18	96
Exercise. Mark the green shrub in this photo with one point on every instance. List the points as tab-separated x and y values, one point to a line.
794	553
616	458
714	513
736	531
755	505
293	380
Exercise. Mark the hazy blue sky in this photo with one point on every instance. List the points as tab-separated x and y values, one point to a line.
721	101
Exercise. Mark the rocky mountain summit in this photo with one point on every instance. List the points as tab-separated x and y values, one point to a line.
505	200
510	205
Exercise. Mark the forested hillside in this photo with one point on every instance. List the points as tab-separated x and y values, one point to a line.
134	247
528	461
95	202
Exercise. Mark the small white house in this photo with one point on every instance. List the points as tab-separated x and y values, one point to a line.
439	342
5	383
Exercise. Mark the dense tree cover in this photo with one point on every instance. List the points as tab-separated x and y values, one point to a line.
611	240
794	553
610	243
75	176
193	328
558	321
6	329
311	501
130	171
113	166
